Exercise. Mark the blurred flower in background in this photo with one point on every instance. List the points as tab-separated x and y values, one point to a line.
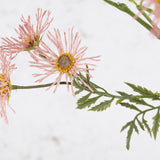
6	69
153	7
29	35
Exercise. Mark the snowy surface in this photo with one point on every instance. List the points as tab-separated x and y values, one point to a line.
48	126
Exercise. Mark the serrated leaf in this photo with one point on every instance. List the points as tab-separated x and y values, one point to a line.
124	94
83	99
77	85
138	101
140	124
156	125
92	85
129	134
130	106
102	106
88	102
147	126
126	125
139	89
135	128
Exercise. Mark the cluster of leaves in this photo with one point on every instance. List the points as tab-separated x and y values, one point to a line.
134	102
89	99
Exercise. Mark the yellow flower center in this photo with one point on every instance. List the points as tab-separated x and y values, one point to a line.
31	42
2	88
157	1
65	62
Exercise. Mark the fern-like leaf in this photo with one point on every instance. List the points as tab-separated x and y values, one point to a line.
147	126
140	124
135	128
129	134
139	89
88	102
144	91
138	101
130	106
77	84
83	99
126	125
102	106
124	94
156	125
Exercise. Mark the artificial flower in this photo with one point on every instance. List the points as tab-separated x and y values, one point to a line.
29	35
67	62
6	69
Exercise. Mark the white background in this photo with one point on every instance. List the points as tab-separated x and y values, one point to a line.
48	126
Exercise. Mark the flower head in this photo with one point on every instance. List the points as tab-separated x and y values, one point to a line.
29	36
68	61
5	87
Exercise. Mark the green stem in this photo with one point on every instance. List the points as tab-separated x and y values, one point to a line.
123	7
106	94
143	112
101	93
35	86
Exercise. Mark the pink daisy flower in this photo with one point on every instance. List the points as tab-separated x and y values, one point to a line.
5	87
67	62
29	35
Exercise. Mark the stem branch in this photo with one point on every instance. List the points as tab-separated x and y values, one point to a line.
123	7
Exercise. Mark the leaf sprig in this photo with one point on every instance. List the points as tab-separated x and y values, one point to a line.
145	20
100	100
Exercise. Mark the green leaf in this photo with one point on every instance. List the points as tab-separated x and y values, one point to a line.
131	125
124	94
126	125
140	7
78	91
156	120
92	85
139	89
140	124
157	93
88	102
147	126
119	101
138	101
87	76
77	84
135	128
129	134
102	106
130	106
83	99
82	77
